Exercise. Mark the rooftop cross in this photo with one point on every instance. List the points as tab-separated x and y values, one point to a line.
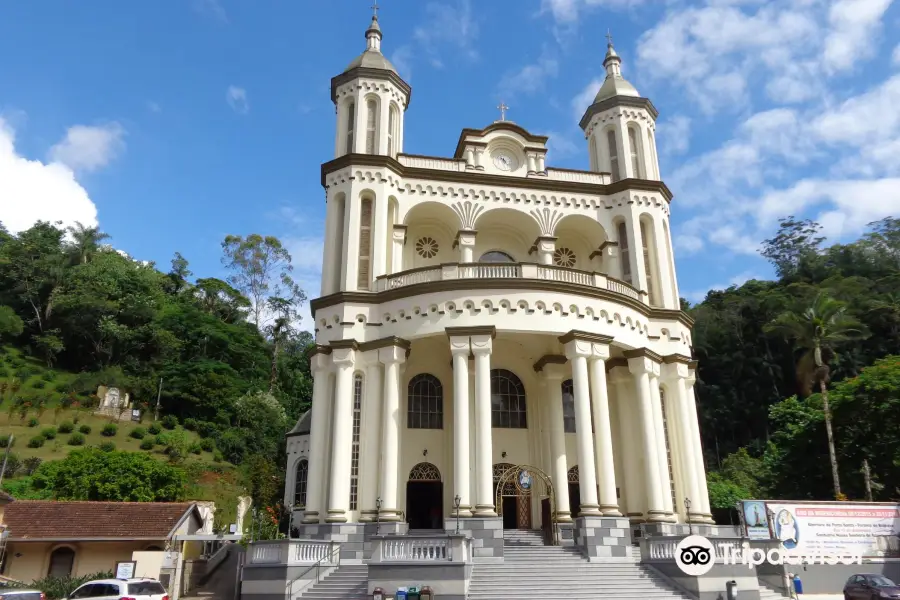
503	108
609	37
374	8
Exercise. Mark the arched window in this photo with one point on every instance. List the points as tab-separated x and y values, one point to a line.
351	119
633	138
509	483
425	403
300	484
61	562
507	400
354	456
365	244
392	124
624	251
495	256
568	400
649	265
613	155
371	111
592	152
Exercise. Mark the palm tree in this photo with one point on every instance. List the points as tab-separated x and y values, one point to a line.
86	240
816	330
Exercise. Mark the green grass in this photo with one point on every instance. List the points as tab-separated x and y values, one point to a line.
34	378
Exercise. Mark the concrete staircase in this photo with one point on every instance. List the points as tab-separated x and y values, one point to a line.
533	570
767	593
347	582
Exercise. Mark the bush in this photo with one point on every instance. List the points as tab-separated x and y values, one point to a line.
49	375
66	427
85	429
138	433
31	464
76	439
62	386
217	456
4	441
38	384
195	448
170	422
154	429
207	445
191	424
206	430
161	440
107	446
13	464
33	422
60	587
49	433
147	444
36	442
109	430
233	446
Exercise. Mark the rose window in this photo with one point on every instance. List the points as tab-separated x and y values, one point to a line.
427	247
563	257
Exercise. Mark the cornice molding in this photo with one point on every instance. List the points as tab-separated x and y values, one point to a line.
677	358
480	178
344	345
317	349
615	101
549	359
585	336
499	125
470	331
616	362
370	73
386	342
643	353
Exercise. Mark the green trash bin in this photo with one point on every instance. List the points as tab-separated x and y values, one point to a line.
413	593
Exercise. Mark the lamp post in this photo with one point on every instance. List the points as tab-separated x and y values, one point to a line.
378	515
687	511
456	501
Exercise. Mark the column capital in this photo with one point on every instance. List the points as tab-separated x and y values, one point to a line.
585	336
554	372
545	243
343	352
320	361
460	345
386	342
392	355
399	234
465	237
488	330
691	379
640	365
674	370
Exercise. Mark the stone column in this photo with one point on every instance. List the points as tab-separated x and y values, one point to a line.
320	363
661	249
460	348
677	373
546	246
699	467
484	499
541	166
662	451
625	166
554	374
465	239
532	163
641	368
398	240
370	455
344	359
626	398
379	235
603	442
391	357
329	283
470	157
577	352
639	273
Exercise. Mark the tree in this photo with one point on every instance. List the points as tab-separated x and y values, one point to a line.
85	241
118	476
261	269
816	331
795	242
10	324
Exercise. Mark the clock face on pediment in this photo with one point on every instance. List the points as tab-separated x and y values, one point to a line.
505	161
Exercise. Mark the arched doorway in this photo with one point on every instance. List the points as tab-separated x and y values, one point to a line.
515	486
61	562
574	492
425	497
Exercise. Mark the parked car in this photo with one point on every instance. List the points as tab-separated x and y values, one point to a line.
124	589
21	594
870	586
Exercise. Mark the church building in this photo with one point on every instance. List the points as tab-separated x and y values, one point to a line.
499	342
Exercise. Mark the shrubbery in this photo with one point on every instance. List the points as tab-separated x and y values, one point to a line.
109	430
170	422
76	439
147	444
66	427
49	433
107	446
33	422
36	442
85	429
154	429
138	433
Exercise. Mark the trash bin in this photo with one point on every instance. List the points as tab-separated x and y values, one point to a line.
413	593
401	594
798	585
731	590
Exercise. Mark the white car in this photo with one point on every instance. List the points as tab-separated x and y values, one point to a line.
121	589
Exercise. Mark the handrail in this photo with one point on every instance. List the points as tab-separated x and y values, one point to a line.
317	566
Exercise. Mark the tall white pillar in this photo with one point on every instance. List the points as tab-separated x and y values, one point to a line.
699	467
332	247
662	452
577	352
465	238
398	240
342	435
661	249
484	499
559	471
370	455
629	420
639	273
460	348
320	364
677	374
642	368
379	237
546	246
391	357
603	442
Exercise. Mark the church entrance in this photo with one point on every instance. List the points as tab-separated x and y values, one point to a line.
425	498
574	492
514	488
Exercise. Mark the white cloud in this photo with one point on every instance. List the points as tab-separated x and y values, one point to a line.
674	135
854	25
154	107
448	25
531	78
561	145
738	280
688	244
88	148
585	97
237	99
212	9
32	190
566	12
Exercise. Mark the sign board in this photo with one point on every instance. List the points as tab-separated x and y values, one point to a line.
170	560
125	569
756	520
834	528
232	529
136	415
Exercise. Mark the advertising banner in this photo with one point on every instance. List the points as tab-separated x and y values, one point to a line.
756	520
836	528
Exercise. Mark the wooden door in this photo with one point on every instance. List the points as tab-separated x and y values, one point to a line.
523	512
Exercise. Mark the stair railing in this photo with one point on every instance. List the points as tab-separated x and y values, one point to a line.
331	561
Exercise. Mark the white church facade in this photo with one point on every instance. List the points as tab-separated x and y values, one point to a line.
497	340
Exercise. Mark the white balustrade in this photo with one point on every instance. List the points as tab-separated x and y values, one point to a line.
577	176
489	271
620	287
412	549
294	552
313	551
266	554
565	275
406	278
432	162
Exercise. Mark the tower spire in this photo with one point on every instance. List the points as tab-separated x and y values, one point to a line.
373	33
612	62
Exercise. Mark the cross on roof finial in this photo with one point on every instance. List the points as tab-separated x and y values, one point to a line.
503	108
374	8
609	37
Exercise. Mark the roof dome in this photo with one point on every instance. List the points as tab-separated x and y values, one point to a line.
615	84
303	425
372	58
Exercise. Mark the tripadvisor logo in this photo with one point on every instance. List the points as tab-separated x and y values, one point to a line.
695	555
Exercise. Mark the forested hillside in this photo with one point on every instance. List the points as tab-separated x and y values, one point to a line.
759	388
227	355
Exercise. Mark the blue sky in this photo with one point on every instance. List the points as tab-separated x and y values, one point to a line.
173	123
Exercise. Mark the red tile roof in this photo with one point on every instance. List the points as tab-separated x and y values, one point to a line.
49	520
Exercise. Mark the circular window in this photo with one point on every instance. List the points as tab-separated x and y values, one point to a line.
563	257
427	247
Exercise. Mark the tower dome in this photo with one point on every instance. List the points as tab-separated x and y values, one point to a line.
615	84
372	58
